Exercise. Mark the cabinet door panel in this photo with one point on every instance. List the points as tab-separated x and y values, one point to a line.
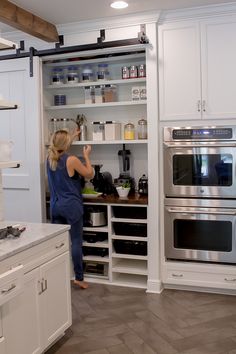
55	300
218	67
179	65
20	318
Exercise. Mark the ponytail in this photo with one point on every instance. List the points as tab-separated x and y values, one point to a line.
60	142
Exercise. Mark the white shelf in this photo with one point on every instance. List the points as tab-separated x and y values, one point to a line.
132	281
130	267
96	259
128	256
96	229
103	244
96	279
97	105
132	238
9	164
139	221
96	83
110	142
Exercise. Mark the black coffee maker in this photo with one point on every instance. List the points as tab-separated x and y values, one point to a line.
102	181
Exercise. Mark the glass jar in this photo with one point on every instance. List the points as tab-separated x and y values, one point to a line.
129	131
64	124
103	72
142	70
57	76
53	126
87	74
72	76
142	129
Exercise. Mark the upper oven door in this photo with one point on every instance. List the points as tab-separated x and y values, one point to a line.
197	170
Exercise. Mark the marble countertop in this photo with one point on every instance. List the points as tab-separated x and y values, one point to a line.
34	234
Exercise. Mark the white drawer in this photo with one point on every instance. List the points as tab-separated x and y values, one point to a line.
199	278
10	284
38	254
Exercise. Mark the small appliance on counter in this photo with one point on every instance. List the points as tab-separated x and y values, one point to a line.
143	185
124	168
102	181
95	216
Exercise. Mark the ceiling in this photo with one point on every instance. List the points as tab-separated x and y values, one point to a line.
63	12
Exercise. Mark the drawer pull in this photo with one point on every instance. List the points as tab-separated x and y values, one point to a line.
177	275
232	279
6	291
61	245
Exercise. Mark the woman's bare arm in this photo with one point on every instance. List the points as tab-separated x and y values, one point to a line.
74	164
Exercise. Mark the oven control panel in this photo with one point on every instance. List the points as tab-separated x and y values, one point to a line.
202	134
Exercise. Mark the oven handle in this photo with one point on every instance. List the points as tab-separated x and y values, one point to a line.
171	210
198	145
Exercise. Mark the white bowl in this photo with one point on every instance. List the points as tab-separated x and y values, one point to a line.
123	192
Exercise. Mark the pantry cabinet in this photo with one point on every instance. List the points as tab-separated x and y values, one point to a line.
197	70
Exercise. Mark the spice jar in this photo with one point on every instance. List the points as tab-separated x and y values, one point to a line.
142	129
129	131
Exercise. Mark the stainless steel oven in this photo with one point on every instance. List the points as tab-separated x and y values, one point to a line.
200	230
200	162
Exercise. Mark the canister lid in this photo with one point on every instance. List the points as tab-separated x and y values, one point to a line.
142	122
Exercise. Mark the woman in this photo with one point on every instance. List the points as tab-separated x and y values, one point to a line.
66	204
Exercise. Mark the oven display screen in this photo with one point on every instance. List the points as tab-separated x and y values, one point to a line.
202	134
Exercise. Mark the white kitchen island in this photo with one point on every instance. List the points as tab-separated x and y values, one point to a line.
35	297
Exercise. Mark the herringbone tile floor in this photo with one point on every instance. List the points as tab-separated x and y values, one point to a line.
117	320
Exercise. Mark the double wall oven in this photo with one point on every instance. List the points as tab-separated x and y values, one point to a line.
200	194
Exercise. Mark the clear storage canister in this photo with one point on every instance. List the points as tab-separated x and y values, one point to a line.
103	72
142	129
57	76
72	76
53	126
129	131
87	73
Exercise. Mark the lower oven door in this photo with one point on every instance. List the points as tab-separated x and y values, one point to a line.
200	234
197	170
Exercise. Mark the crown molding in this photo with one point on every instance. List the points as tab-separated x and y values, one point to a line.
109	23
197	12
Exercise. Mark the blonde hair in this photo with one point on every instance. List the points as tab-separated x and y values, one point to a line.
60	142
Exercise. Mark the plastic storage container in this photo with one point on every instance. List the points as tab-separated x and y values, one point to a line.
53	126
98	131
112	130
110	93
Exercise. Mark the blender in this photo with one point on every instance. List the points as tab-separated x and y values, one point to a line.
124	169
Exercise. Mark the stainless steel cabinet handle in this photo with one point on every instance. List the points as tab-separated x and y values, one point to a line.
199	106
230	279
60	246
6	291
40	285
170	210
177	275
204	106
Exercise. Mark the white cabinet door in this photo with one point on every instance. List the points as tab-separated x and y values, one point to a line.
23	127
55	301
2	345
218	67
20	318
179	71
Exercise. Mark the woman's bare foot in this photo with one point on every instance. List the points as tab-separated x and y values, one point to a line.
82	284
